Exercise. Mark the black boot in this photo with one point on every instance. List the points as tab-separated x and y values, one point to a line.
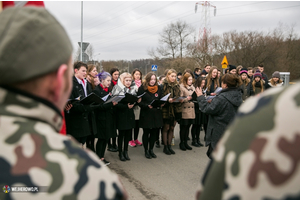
199	143
147	155
181	146
166	150
121	156
187	146
152	153
195	143
114	148
125	153
157	145
170	149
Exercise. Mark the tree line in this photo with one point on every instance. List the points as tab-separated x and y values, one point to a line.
277	50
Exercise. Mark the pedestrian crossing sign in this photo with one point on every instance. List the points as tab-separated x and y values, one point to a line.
154	67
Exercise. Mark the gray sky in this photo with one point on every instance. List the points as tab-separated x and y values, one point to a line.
127	29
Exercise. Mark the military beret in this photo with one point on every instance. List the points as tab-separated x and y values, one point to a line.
33	43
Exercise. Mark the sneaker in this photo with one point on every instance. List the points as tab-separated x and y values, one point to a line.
137	142
106	162
132	143
173	141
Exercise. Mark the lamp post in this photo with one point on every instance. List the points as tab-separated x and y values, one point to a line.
128	65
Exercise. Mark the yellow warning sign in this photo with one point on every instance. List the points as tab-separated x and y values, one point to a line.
224	63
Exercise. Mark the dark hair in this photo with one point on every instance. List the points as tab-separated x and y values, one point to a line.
203	73
179	74
188	71
136	70
161	77
147	80
113	70
79	64
231	80
250	68
166	72
199	81
261	65
197	69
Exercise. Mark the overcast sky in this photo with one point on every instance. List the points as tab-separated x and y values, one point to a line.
127	29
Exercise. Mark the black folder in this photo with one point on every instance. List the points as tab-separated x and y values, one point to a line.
92	99
158	102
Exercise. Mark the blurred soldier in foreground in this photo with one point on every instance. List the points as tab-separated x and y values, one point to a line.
36	81
258	156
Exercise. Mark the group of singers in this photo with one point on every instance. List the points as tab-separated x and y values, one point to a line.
113	123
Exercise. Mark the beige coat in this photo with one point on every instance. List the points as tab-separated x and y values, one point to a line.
188	111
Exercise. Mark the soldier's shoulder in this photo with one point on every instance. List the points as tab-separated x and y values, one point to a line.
266	130
42	157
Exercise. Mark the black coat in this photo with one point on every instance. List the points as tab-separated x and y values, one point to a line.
221	111
77	119
105	117
200	118
150	118
125	117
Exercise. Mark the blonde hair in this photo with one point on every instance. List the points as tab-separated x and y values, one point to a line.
247	80
274	83
169	73
123	76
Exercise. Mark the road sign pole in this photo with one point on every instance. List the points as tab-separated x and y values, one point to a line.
81	30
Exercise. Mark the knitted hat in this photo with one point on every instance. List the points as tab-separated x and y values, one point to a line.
244	70
257	73
231	67
33	43
276	74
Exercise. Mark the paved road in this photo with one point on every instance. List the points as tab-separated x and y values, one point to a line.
166	177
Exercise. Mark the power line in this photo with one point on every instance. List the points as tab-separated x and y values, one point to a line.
197	21
128	22
97	34
242	5
259	10
114	17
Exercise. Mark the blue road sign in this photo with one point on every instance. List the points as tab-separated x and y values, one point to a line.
154	67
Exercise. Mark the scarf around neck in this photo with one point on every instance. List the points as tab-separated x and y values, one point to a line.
105	89
138	83
152	89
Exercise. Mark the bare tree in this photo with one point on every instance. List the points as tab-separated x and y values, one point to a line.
183	31
90	51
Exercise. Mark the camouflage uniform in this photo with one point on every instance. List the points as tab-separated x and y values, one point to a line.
258	156
34	154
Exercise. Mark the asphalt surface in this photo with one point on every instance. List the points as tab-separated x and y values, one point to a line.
162	178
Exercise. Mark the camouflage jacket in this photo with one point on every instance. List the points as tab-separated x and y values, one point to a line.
32	153
258	157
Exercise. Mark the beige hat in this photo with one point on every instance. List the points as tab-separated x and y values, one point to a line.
32	43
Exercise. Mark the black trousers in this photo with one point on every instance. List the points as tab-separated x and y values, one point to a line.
90	142
136	130
196	131
100	147
81	140
124	138
184	132
149	137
